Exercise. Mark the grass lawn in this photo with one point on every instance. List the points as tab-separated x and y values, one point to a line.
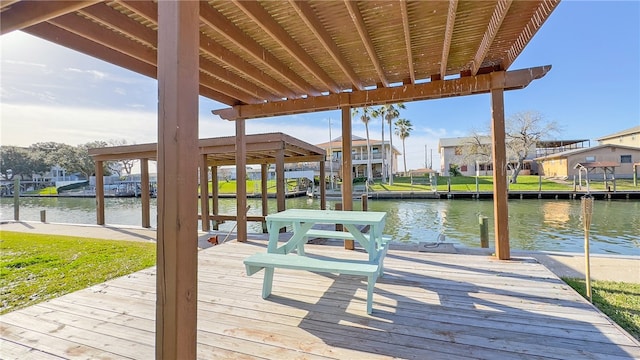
35	268
620	301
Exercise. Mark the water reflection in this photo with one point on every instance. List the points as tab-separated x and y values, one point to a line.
538	224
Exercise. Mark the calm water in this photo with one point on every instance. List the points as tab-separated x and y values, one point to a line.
553	225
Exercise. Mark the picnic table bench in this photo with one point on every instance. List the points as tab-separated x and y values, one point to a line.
302	221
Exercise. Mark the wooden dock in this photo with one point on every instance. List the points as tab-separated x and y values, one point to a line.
427	306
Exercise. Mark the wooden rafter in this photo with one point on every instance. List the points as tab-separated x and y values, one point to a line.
448	34
540	16
232	60
222	74
231	32
479	84
407	40
358	21
260	16
108	38
121	22
499	13
307	15
73	41
145	9
25	14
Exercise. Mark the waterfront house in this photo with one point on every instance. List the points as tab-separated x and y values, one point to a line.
563	164
628	137
381	153
453	153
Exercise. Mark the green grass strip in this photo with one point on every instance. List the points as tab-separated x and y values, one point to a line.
620	301
35	267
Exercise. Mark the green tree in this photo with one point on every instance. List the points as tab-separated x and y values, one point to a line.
365	116
388	113
393	112
403	130
77	160
14	161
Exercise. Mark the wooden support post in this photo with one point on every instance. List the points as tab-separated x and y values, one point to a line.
484	231
364	199
145	196
16	198
280	180
500	208
323	186
204	193
241	181
347	180
177	268
214	195
99	193
264	178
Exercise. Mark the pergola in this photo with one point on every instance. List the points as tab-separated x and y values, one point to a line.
262	149
271	58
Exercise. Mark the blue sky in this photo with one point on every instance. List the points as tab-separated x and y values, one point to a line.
49	93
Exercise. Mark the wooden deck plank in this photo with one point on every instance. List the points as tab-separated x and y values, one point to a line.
428	305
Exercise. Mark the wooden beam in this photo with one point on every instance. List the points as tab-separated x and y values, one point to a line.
146	9
479	84
448	34
407	40
499	13
106	37
539	17
76	42
99	193
500	196
257	93
358	21
215	208
260	16
231	60
112	18
241	183
308	16
177	268
231	32
145	196
24	14
204	192
347	178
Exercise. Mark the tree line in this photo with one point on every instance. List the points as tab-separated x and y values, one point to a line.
39	158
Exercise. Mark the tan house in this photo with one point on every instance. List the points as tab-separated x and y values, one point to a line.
629	137
563	164
359	155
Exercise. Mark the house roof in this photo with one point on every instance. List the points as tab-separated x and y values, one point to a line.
269	58
633	130
584	150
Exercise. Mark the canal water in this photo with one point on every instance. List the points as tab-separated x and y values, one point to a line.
541	224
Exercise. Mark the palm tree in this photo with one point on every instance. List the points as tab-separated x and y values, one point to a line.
364	114
403	130
380	113
392	112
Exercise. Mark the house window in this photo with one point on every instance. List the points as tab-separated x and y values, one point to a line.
458	150
590	159
625	159
463	168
